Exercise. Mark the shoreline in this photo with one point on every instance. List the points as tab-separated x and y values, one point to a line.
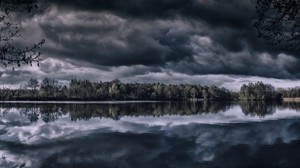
294	99
80	102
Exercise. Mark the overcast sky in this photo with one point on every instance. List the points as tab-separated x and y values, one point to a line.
207	42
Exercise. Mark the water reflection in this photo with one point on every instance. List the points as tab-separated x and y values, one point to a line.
51	112
258	108
156	134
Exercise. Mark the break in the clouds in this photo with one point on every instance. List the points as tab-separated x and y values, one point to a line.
192	41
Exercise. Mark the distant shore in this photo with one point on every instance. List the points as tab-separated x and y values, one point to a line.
82	102
294	99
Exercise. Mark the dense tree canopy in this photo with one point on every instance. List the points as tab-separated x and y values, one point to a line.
258	91
290	92
51	89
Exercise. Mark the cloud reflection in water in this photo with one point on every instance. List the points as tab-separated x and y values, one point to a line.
207	139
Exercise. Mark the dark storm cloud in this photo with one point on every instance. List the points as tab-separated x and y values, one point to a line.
194	36
216	12
235	16
229	23
243	63
108	39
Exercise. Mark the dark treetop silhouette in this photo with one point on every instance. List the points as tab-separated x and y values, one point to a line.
279	22
10	53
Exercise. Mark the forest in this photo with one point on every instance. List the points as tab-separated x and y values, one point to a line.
85	90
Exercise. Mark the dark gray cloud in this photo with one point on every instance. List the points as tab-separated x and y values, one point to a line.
231	20
138	39
107	39
213	11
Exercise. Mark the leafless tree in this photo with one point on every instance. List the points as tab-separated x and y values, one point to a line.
279	22
10	53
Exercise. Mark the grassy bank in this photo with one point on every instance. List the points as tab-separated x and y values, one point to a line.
294	99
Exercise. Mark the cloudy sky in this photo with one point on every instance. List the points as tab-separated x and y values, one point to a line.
207	42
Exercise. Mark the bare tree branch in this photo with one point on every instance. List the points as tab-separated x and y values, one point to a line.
10	54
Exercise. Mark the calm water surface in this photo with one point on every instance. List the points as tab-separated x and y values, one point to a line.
153	134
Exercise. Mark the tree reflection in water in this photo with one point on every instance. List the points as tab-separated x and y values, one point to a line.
85	111
258	108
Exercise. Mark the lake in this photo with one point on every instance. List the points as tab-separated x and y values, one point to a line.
150	134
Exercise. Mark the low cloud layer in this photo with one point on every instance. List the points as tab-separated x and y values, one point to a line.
65	70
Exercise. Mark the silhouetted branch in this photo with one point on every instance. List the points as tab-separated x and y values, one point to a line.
10	54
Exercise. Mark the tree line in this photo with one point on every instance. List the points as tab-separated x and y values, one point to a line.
290	92
51	89
85	90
